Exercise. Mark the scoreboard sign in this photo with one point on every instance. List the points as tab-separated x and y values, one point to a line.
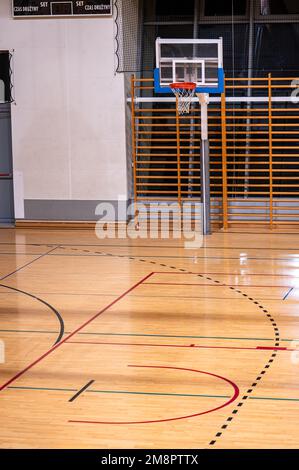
37	8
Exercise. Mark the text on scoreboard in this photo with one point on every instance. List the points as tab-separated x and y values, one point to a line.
25	8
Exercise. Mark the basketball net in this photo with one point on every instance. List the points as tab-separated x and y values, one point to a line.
184	93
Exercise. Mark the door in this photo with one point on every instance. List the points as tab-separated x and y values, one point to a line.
6	176
6	179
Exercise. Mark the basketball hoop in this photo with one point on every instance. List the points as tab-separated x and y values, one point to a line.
184	93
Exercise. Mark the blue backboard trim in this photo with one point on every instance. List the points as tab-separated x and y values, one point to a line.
210	90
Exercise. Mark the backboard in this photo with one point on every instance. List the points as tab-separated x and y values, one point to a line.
189	60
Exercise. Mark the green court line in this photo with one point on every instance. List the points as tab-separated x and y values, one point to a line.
45	388
150	335
125	392
159	394
28	331
274	398
181	336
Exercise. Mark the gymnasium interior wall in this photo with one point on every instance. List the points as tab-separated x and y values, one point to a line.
68	118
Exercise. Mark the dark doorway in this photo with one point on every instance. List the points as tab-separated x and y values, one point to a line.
6	169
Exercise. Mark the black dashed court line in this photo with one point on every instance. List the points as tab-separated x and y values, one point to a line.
266	367
251	299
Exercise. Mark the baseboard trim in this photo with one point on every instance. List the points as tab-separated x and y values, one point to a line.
74	224
64	224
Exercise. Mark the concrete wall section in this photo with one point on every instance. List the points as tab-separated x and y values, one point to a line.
68	121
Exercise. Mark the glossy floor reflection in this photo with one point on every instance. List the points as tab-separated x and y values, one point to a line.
146	344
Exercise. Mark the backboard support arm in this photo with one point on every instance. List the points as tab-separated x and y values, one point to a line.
203	99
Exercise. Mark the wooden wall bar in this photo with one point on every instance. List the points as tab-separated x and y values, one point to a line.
254	152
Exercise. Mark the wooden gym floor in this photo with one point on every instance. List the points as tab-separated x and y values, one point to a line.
144	344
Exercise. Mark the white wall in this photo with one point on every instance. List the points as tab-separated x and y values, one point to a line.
69	118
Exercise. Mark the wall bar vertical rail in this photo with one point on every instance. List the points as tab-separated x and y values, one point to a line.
134	156
270	150
224	162
161	148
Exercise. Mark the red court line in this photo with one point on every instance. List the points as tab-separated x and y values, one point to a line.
232	399
19	374
207	285
176	345
226	274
